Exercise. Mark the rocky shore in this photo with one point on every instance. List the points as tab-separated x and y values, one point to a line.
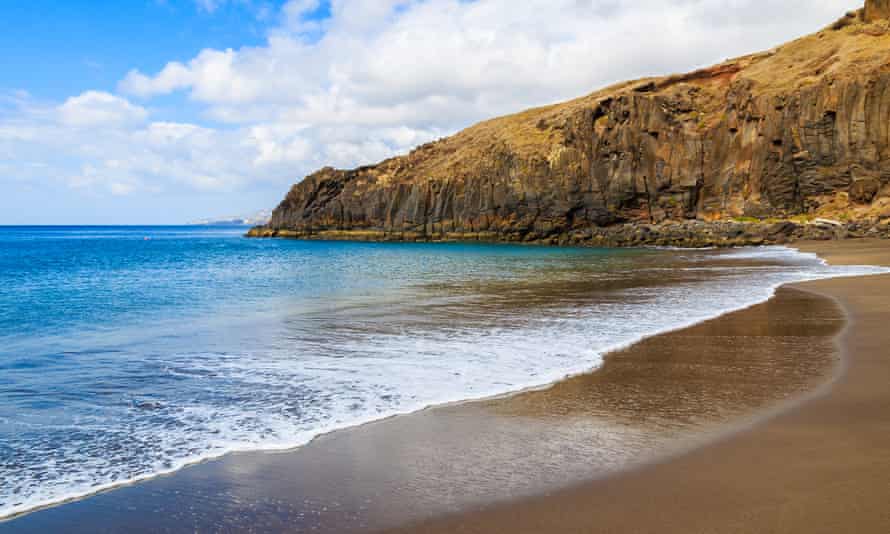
673	234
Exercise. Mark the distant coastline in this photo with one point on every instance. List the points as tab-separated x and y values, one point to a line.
259	218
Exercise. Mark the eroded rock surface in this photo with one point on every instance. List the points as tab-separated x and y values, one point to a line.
877	10
800	132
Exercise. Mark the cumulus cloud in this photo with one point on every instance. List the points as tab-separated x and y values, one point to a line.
426	68
448	62
372	78
100	152
100	143
96	108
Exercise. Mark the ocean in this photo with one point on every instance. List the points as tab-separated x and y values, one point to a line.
128	352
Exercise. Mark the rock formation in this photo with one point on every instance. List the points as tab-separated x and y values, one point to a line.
773	139
877	10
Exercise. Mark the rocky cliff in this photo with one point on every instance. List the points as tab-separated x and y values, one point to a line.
750	150
876	10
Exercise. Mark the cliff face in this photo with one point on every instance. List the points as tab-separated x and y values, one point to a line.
800	131
876	10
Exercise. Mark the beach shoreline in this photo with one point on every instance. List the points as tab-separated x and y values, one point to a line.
472	419
817	465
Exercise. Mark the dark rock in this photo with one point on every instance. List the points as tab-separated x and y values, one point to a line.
864	191
784	229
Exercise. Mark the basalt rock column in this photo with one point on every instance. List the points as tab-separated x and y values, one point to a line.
876	10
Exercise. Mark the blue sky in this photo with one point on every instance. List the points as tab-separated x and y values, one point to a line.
165	111
64	48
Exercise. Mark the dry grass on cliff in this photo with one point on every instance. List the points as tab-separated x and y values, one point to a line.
845	49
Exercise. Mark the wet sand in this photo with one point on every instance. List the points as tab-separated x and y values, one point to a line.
617	438
821	466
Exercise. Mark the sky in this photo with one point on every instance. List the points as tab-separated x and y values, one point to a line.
167	111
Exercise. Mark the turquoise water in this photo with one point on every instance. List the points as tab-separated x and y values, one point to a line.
129	352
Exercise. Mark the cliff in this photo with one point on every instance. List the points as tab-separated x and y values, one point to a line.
775	140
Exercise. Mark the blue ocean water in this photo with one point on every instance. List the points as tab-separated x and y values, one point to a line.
126	352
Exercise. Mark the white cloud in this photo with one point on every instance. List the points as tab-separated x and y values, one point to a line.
450	62
95	108
120	157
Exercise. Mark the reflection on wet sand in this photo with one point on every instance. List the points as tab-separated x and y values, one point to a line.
708	372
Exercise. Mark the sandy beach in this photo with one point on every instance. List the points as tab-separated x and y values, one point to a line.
822	466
